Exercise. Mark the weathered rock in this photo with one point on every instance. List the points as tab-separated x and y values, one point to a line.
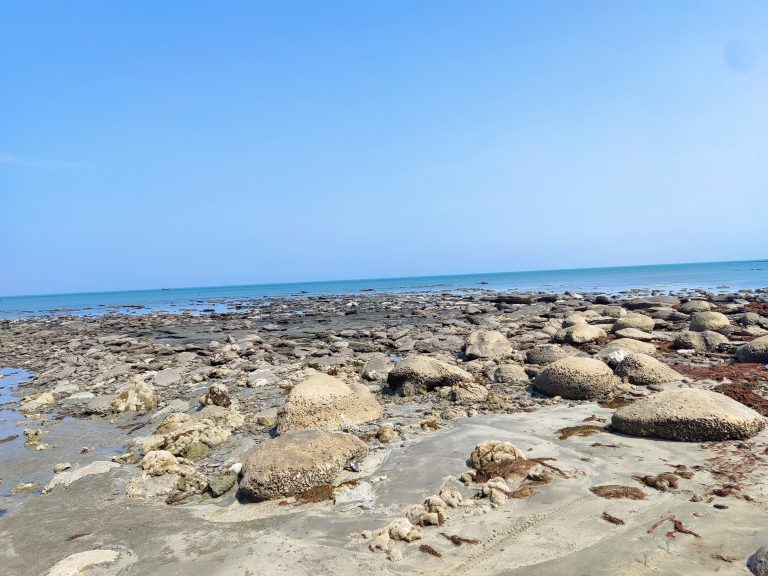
323	402
580	333
576	378
695	306
75	564
706	340
138	396
222	483
487	344
494	451
36	402
511	374
183	435
754	351
758	562
645	370
545	354
689	415
634	334
715	321
634	320
468	392
628	345
73	474
386	434
217	395
297	461
417	374
376	368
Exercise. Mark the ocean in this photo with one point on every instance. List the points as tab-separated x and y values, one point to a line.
711	276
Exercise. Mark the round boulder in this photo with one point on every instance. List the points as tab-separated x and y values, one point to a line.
707	340
487	344
645	370
576	378
580	333
138	396
296	462
688	415
418	374
323	402
695	306
701	321
510	374
634	320
755	351
545	354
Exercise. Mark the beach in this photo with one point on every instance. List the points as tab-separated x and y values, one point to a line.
458	431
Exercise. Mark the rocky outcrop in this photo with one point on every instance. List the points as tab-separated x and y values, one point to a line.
419	374
487	344
297	461
323	402
689	415
138	396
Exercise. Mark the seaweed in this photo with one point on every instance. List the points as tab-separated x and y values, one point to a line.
8	438
582	430
459	540
316	494
427	549
617	491
616	403
77	536
525	491
678	527
612	519
661	482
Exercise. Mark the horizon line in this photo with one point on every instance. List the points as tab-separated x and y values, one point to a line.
298	282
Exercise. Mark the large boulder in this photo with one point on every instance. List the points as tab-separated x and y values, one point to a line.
580	333
688	415
715	321
417	374
487	344
510	374
695	306
576	378
634	320
628	344
326	403
645	370
545	354
755	351
707	340
138	396
758	562
296	462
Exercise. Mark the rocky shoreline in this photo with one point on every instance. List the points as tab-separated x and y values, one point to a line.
428	433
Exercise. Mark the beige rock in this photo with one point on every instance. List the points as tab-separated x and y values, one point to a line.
297	461
494	451
689	415
75	564
138	396
418	374
715	321
323	402
217	395
695	306
467	392
67	477
706	340
35	402
634	320
580	333
754	351
576	378
545	354
487	344
645	370
511	374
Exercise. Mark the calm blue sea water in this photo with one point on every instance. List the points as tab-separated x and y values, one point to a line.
714	276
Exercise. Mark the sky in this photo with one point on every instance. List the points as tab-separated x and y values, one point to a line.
178	143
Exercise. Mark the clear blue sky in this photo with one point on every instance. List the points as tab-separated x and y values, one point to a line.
147	144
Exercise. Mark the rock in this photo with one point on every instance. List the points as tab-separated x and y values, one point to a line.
715	321
76	564
754	351
99	405
494	451
706	340
580	333
376	368
386	434
645	370
633	334
267	418
323	402
467	392
758	562
754	319
404	530
689	415
58	468
224	417
217	395
511	374
297	461
261	377
73	474
695	306
182	435
487	344
159	462
167	377
418	374
628	344
576	378
545	354
222	483
634	320
35	402
361	493
137	396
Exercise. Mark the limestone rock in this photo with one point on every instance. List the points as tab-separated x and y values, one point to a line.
73	474
754	351
138	396
580	333
487	344
576	378
297	461
323	402
75	564
35	402
494	451
418	374
645	370
715	321
706	340
695	306
511	374
689	415
634	320
217	395
545	354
